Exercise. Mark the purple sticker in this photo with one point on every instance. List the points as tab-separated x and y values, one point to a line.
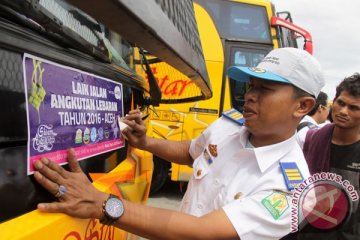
69	108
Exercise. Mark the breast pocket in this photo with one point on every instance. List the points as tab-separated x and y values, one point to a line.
201	167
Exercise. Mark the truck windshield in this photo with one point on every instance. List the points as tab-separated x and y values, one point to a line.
235	20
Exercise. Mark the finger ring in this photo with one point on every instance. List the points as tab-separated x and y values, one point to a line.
61	191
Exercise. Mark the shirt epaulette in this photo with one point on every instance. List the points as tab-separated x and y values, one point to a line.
292	174
309	125
235	116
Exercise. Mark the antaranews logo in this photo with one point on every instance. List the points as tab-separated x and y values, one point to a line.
323	200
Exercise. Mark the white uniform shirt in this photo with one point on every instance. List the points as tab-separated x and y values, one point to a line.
239	179
301	135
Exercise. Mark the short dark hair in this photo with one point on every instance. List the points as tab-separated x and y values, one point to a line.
300	93
350	84
322	99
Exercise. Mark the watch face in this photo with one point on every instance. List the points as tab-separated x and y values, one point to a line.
114	207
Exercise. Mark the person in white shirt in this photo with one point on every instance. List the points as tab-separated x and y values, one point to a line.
315	118
240	187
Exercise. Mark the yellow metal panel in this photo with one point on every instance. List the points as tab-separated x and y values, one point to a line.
209	37
132	177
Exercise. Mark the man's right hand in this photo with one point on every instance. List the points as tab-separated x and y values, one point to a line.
169	150
135	133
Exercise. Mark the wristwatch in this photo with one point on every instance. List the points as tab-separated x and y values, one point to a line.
113	209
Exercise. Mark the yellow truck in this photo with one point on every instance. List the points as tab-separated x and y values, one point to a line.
237	32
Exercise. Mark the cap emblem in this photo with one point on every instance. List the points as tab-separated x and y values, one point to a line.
257	70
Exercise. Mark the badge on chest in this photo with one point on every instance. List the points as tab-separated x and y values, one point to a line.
210	152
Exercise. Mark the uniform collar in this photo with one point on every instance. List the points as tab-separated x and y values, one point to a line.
308	118
268	155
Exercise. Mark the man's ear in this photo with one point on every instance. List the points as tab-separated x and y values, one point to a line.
305	105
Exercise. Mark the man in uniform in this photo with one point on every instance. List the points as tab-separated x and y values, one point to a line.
243	175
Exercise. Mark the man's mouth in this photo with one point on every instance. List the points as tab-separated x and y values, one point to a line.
341	119
248	112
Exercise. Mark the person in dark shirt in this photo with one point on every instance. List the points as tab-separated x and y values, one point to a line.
335	148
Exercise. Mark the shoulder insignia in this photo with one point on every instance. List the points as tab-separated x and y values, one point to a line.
292	174
235	116
309	125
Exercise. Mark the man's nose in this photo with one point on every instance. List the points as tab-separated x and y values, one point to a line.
344	110
251	95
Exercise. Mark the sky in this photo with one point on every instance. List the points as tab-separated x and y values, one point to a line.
335	29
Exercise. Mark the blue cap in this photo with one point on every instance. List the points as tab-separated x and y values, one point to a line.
243	74
285	65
